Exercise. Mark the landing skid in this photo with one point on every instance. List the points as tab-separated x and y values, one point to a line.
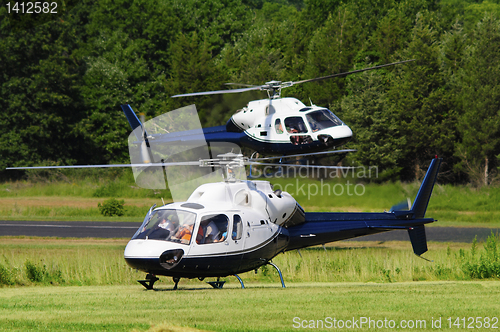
149	281
279	272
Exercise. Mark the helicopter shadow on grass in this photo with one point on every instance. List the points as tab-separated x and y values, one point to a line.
333	249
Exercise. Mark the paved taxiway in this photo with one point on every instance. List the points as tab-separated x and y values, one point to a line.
80	229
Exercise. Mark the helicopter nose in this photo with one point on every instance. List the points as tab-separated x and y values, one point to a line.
337	136
344	132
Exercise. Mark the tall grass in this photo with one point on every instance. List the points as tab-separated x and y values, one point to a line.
80	183
100	262
23	212
64	262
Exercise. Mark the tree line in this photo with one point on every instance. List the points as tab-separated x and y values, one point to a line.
62	80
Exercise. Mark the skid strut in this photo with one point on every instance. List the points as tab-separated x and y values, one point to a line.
279	272
241	281
216	284
149	281
176	280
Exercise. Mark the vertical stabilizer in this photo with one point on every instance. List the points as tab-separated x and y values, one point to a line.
425	191
133	120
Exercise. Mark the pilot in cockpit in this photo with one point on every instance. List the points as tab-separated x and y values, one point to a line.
186	230
167	227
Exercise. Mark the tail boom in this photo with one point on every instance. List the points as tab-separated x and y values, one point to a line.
324	227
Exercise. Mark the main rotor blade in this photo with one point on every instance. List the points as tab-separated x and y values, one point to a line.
304	154
351	72
185	163
241	84
218	92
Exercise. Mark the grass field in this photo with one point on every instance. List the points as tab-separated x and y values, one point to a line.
260	307
84	285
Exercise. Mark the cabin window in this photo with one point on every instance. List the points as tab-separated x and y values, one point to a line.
322	119
295	124
212	229
237	228
278	126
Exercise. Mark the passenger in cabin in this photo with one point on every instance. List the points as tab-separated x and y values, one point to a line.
171	223
279	127
210	232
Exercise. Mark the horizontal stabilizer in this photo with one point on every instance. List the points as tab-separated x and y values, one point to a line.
418	239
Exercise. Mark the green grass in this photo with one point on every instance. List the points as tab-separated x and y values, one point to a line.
85	285
36	261
79	183
257	308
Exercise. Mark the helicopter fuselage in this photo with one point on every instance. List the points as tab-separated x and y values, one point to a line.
223	229
286	125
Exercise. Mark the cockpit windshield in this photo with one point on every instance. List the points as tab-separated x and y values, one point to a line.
322	119
168	225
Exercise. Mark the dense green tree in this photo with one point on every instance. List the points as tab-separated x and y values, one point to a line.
479	95
332	50
418	96
61	83
194	70
377	136
39	97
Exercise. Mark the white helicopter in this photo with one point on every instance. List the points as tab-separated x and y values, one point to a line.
274	126
235	226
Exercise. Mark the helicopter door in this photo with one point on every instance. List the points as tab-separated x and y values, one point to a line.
296	128
211	242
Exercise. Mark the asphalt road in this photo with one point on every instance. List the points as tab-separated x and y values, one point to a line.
79	229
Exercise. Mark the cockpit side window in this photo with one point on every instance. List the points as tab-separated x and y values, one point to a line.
278	126
295	124
237	228
212	229
322	119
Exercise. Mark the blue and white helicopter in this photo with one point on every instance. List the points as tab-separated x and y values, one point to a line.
234	226
273	126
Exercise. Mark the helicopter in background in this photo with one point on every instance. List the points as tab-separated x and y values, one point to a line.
273	126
